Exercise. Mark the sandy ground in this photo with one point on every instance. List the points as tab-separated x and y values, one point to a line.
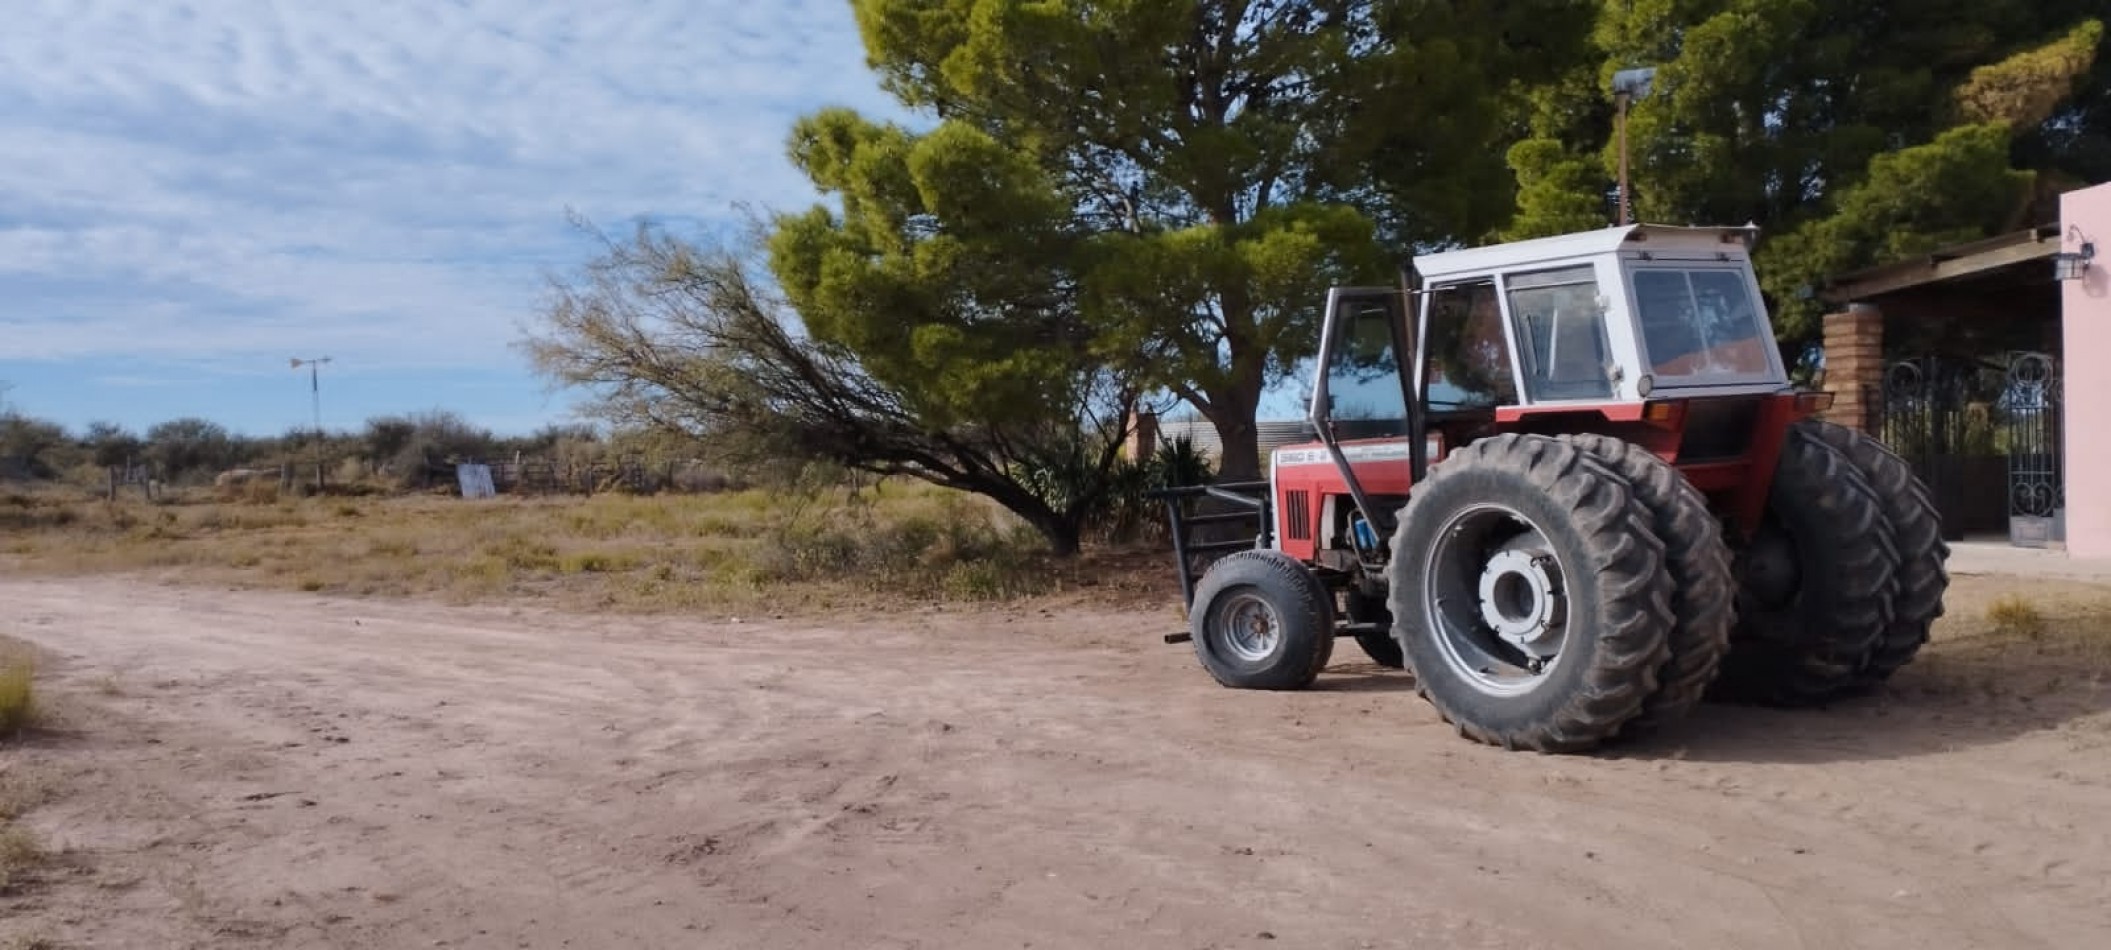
265	770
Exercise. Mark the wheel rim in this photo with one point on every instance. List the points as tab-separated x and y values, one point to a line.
1248	626
1498	600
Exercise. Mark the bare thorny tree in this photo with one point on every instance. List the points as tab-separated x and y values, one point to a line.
693	339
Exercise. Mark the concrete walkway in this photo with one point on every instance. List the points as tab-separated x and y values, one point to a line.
1999	557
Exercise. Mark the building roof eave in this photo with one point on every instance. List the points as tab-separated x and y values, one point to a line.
1944	264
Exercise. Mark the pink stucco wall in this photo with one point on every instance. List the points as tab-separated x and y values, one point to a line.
2086	215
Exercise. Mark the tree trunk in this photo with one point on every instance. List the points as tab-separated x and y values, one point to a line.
1063	534
1240	460
1231	411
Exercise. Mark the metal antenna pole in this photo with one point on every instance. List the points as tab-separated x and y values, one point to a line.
1622	98
1629	85
315	392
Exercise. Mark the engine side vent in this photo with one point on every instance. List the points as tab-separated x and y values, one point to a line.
1297	515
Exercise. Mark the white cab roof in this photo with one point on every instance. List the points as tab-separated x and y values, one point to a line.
1502	257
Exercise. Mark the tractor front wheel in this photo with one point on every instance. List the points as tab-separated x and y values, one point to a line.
1261	620
1530	596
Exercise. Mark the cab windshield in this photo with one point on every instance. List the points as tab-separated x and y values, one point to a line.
1700	323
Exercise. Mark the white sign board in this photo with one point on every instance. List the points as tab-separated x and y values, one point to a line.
476	481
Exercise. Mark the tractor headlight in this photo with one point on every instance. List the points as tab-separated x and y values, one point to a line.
1644	385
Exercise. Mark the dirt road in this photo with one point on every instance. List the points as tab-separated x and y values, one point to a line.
253	770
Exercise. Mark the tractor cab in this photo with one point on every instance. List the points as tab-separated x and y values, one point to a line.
1652	333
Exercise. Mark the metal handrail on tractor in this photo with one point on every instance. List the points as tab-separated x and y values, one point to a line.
1250	495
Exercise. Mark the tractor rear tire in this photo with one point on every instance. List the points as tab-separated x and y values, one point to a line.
1703	583
1916	525
1471	557
1816	583
1261	620
1380	647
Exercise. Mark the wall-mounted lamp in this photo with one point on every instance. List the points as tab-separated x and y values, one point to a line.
2072	265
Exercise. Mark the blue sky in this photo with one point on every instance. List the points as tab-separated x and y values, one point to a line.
194	191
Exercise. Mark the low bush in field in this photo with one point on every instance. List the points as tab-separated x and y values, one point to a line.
949	545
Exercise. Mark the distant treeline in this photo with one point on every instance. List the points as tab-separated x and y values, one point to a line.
396	451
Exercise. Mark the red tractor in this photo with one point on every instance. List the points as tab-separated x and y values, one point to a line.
1587	497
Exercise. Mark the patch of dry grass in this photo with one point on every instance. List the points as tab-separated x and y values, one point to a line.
18	693
22	789
32	942
2011	615
19	854
784	551
24	783
22	786
2006	636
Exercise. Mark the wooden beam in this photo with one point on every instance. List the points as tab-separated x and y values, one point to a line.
1931	270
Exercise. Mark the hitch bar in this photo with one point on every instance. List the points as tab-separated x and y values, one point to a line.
1340	630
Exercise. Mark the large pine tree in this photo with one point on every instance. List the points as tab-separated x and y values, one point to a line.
1197	172
1852	132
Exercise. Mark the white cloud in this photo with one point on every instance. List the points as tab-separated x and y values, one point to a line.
216	179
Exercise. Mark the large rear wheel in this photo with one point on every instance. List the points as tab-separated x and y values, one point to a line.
1529	595
1261	620
1703	586
1815	583
1916	526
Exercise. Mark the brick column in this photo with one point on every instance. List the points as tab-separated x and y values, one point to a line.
1854	363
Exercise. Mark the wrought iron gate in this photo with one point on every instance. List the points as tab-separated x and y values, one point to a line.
2030	409
1984	435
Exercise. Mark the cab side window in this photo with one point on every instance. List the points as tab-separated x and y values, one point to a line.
1561	329
1364	377
1467	366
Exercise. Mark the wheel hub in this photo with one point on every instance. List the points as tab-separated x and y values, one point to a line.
1251	628
1768	565
1497	600
1521	601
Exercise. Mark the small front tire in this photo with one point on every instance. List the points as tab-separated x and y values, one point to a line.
1261	620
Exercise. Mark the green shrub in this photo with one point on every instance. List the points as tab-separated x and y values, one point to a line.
960	549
